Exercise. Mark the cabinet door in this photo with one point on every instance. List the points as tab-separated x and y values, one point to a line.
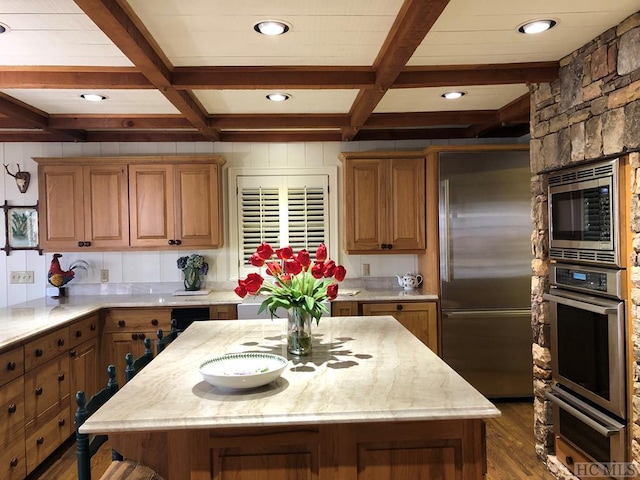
123	343
61	218
83	370
197	193
406	214
151	195
106	205
365	206
419	318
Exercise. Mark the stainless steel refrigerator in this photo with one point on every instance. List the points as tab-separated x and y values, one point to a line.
485	269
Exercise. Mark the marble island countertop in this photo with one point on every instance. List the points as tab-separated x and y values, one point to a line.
359	371
21	321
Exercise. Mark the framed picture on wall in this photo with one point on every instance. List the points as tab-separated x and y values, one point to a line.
21	228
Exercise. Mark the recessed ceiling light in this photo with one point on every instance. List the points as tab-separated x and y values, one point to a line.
453	95
271	27
4	28
536	26
278	97
93	97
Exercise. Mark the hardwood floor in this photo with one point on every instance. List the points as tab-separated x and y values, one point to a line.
510	450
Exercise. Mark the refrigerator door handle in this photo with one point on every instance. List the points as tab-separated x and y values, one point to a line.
488	313
445	229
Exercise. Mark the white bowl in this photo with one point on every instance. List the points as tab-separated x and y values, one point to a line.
242	370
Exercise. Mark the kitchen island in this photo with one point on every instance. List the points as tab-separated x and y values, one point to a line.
371	402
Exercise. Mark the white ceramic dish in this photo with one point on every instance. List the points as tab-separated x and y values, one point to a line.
242	370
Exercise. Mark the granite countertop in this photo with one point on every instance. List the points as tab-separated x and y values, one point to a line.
22	321
362	369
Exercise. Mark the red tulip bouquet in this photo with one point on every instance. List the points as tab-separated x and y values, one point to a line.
299	282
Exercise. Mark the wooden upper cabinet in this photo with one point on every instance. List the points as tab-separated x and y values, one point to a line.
175	205
384	203
109	203
83	206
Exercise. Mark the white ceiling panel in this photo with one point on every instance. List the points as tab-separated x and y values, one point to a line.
57	101
487	97
38	6
254	101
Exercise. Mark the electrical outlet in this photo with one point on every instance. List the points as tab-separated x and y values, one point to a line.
104	276
365	270
25	276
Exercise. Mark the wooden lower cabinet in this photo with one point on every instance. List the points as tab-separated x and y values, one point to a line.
84	362
420	318
126	342
344	309
47	432
13	464
427	450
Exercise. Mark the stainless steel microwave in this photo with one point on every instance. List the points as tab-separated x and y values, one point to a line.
584	215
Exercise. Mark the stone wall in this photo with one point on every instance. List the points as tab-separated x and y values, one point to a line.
592	111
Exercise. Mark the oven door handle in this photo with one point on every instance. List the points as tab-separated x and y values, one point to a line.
603	430
578	301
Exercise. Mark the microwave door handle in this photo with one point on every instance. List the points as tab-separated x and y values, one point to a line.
580	304
601	429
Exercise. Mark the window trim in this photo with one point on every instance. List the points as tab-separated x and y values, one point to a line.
333	222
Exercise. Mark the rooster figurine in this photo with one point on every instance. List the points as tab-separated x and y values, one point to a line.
58	277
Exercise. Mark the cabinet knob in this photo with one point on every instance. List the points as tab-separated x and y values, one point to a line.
39	352
14	462
178	242
60	342
73	353
78	333
154	322
61	422
81	244
93	327
399	307
142	336
61	377
134	336
40	440
121	323
569	460
12	408
11	366
38	391
172	242
389	246
87	244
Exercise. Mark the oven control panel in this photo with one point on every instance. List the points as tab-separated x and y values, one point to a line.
601	281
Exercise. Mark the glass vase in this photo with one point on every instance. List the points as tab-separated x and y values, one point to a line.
192	280
298	332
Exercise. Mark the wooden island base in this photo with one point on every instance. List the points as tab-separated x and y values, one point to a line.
425	450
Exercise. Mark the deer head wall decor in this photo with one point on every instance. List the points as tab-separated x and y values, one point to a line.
22	178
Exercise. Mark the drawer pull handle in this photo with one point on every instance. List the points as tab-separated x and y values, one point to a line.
178	242
92	327
172	242
61	422
39	352
61	377
81	244
399	307
11	366
40	440
142	336
121	323
73	353
39	391
87	244
12	408
60	342
14	462
134	336
78	333
154	322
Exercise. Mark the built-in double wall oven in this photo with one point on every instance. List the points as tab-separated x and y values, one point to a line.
587	313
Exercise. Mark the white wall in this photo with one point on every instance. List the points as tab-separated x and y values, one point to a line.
160	266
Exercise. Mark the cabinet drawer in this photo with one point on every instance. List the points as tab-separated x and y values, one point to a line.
11	408
46	387
142	319
45	348
11	364
47	433
83	330
13	465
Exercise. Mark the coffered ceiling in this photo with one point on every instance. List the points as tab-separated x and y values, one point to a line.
194	70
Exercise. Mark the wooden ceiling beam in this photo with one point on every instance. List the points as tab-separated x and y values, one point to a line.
227	122
415	19
518	111
115	122
72	77
109	16
431	119
410	134
251	78
274	136
493	74
144	136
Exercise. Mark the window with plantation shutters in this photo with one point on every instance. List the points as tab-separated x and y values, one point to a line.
281	210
